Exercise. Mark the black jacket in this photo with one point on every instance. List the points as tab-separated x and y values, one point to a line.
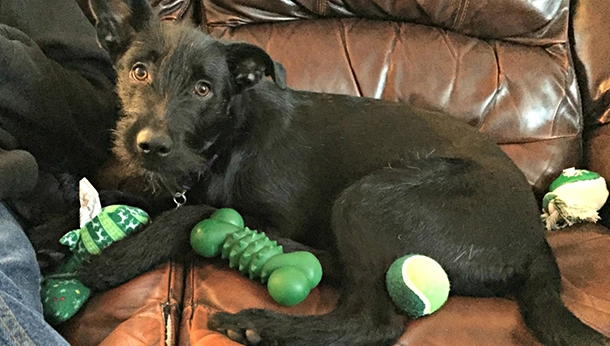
57	97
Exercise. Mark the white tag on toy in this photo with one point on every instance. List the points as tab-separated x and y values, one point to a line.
574	197
90	204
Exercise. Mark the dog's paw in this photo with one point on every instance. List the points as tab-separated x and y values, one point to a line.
253	327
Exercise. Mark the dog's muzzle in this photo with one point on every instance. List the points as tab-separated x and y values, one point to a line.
153	144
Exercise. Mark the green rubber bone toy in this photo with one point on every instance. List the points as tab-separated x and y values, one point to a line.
289	276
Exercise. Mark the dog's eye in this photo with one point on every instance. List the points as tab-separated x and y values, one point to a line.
202	88
139	72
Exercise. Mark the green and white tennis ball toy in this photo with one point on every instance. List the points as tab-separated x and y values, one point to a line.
574	197
417	284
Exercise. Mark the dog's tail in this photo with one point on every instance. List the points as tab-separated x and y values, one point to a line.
544	313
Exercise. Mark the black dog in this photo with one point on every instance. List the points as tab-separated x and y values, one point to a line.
365	181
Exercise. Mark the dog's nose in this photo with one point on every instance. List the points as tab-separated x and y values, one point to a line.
151	142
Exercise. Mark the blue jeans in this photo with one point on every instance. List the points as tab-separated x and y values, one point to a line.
21	319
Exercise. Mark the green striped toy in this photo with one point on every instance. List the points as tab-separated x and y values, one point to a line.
62	294
114	223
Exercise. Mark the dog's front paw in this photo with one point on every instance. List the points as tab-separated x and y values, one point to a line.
49	260
253	327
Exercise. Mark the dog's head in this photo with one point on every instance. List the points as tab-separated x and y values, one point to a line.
175	84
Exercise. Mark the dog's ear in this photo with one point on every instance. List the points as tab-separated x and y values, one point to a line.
249	64
116	21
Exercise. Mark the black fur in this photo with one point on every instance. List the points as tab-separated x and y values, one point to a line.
364	181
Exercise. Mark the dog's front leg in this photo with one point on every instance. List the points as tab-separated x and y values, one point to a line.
166	238
50	253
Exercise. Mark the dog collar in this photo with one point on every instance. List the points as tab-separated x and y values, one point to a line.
191	179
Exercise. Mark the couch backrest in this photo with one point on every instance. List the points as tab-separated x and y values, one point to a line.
503	66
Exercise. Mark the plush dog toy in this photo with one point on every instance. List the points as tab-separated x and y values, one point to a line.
62	294
574	197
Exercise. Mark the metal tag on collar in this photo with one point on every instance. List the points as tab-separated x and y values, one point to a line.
180	198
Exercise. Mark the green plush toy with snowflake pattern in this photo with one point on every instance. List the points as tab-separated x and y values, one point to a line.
62	294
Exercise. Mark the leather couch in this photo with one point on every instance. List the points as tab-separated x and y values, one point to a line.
535	76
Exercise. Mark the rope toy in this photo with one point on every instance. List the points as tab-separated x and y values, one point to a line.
574	197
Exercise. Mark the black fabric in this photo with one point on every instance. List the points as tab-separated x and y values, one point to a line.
56	85
18	173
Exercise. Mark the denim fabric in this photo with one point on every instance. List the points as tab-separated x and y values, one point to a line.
21	320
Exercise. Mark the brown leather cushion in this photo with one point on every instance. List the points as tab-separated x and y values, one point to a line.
582	253
213	287
144	311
